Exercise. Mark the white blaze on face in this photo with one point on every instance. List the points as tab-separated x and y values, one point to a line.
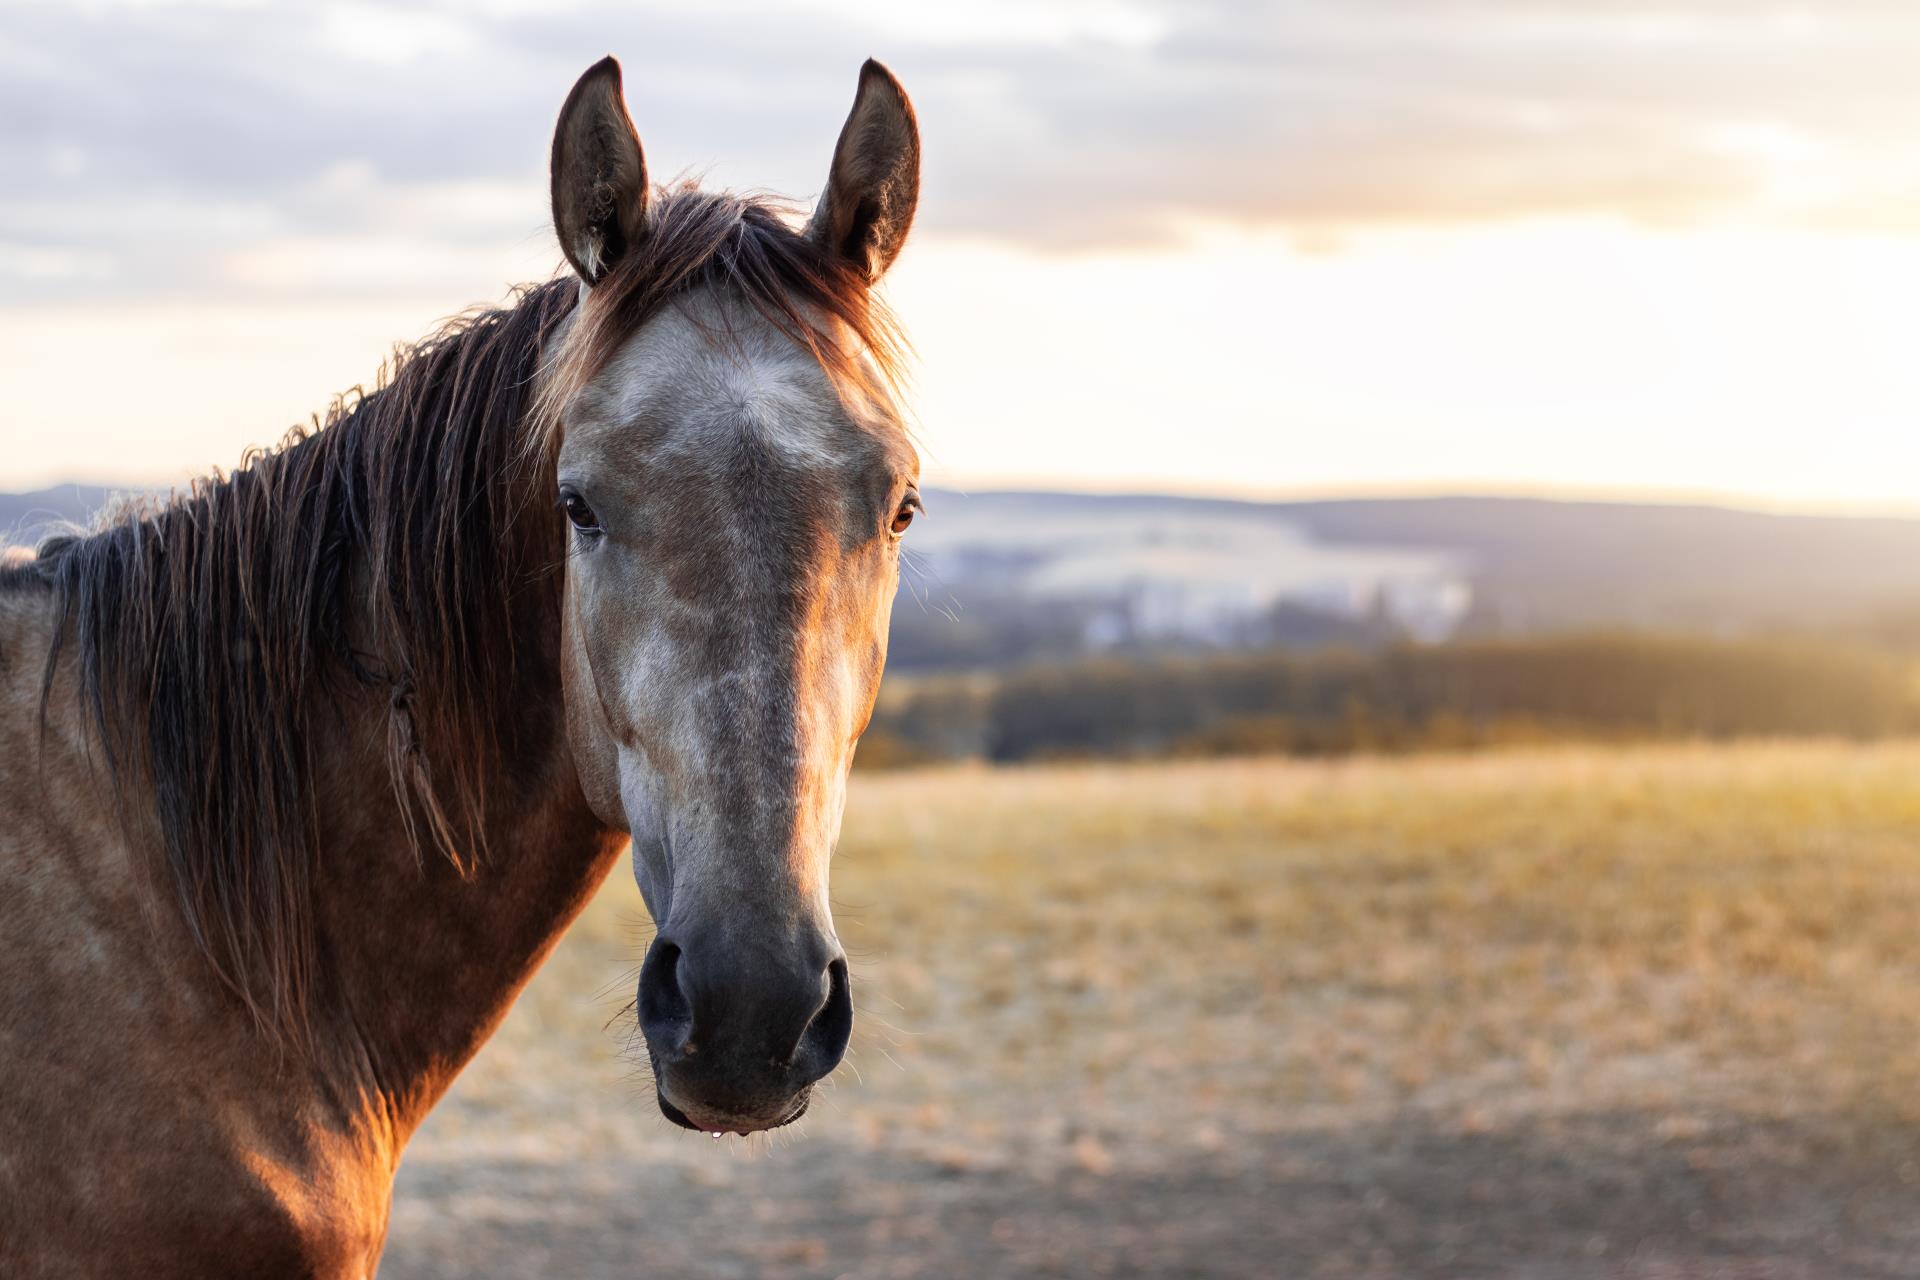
725	631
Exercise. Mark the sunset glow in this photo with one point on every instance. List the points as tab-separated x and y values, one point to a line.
1425	253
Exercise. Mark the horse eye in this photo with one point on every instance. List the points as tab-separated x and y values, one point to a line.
579	513
904	516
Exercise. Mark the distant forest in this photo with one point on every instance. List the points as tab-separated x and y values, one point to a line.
1452	696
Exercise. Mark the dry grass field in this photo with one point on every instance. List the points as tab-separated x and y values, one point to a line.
1638	1012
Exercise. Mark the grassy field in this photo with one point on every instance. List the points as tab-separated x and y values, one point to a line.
1641	1012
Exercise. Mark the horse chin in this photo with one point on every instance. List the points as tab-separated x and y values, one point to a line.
714	1125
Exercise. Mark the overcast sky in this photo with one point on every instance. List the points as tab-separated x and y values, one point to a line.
1357	245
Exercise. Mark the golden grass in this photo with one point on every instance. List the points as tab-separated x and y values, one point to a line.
1597	1013
1113	966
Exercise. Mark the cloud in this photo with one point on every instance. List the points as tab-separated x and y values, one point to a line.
1358	112
185	147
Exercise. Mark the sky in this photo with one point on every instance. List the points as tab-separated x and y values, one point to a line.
1636	247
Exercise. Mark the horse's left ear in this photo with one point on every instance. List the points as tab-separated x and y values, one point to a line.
599	174
874	183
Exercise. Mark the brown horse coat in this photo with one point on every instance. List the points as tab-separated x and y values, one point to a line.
146	1126
293	798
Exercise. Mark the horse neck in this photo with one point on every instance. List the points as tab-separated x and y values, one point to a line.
423	958
354	627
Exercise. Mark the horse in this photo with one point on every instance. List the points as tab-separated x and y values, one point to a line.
307	767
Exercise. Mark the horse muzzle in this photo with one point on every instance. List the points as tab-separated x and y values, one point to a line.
739	1030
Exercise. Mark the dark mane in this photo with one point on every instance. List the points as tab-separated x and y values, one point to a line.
395	551
212	631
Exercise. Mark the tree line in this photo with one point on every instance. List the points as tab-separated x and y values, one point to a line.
1628	685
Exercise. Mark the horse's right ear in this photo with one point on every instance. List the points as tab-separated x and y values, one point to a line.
599	175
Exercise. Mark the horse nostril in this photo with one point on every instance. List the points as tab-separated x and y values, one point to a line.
666	1017
754	1022
824	1042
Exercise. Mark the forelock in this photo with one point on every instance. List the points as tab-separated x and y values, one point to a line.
742	249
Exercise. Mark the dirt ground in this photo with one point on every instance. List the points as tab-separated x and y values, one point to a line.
1648	1013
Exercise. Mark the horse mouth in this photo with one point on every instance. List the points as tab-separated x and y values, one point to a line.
730	1124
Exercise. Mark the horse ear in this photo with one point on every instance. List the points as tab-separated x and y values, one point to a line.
599	174
874	183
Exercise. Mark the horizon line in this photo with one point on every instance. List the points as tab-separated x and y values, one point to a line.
1413	491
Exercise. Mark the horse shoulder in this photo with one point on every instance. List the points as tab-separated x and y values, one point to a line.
144	1128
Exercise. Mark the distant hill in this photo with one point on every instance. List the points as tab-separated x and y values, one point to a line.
1004	578
1040	571
1542	565
25	517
